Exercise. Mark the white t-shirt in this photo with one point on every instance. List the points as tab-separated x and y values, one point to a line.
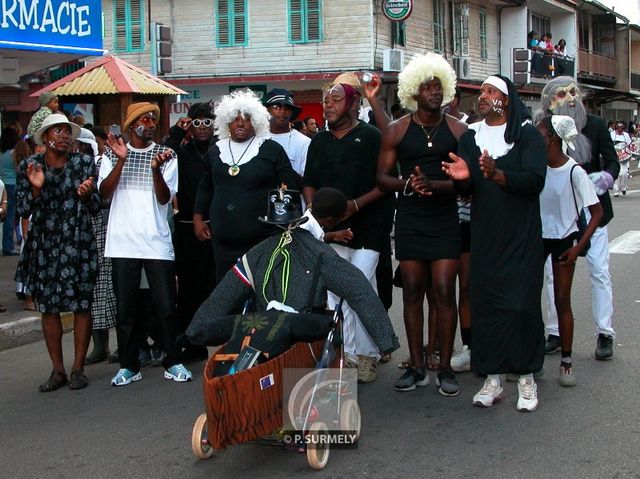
138	226
296	145
491	138
557	209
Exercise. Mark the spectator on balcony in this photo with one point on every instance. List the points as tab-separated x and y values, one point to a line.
546	44
561	48
532	40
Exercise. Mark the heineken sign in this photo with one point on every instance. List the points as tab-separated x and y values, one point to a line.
397	11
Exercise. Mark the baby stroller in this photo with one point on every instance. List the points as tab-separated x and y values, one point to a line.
248	405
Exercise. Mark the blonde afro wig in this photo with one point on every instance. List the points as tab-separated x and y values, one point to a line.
241	102
421	69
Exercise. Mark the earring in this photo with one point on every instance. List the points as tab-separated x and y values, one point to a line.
51	144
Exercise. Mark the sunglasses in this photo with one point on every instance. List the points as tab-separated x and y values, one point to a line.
207	122
279	106
149	119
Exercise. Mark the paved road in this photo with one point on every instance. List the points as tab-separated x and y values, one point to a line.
143	430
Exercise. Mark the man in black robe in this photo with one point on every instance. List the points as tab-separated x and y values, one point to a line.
503	164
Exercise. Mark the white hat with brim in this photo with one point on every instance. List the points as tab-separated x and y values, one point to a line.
89	138
52	120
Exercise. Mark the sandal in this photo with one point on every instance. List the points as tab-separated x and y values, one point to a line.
3	309
55	381
78	380
406	364
433	361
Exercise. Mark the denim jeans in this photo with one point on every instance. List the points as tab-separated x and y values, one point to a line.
129	324
7	227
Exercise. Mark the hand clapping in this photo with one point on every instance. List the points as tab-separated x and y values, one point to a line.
457	169
487	165
35	175
85	188
160	159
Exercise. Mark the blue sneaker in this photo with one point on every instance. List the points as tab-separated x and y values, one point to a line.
125	376
178	373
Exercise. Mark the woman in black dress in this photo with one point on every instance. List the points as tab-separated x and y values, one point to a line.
242	167
59	261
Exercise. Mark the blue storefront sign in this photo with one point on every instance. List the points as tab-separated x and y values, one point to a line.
52	25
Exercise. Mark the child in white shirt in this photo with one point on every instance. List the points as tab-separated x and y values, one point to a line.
567	191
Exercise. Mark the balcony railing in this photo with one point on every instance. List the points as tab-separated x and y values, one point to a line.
548	65
635	80
596	65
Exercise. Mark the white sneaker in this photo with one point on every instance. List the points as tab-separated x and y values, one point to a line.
566	377
527	395
462	361
490	394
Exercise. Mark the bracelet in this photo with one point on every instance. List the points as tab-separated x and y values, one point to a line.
404	190
356	205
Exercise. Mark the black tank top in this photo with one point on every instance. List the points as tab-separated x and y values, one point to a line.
414	150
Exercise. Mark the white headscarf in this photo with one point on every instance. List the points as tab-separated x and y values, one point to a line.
566	129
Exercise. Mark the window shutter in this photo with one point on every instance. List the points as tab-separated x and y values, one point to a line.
135	22
239	22
120	22
128	32
313	21
438	27
295	21
223	23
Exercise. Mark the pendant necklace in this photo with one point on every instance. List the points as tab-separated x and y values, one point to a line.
431	134
234	169
51	170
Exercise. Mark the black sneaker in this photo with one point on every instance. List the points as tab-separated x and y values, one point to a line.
447	383
411	378
604	347
552	345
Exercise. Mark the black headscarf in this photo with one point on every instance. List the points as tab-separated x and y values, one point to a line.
517	112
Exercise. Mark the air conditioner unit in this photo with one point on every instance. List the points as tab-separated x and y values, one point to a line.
462	67
392	60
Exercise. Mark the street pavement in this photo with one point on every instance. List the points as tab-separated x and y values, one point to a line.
144	430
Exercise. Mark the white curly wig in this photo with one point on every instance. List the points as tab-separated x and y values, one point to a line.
241	102
424	68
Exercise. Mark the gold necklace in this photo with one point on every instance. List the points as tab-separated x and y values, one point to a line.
234	169
431	134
